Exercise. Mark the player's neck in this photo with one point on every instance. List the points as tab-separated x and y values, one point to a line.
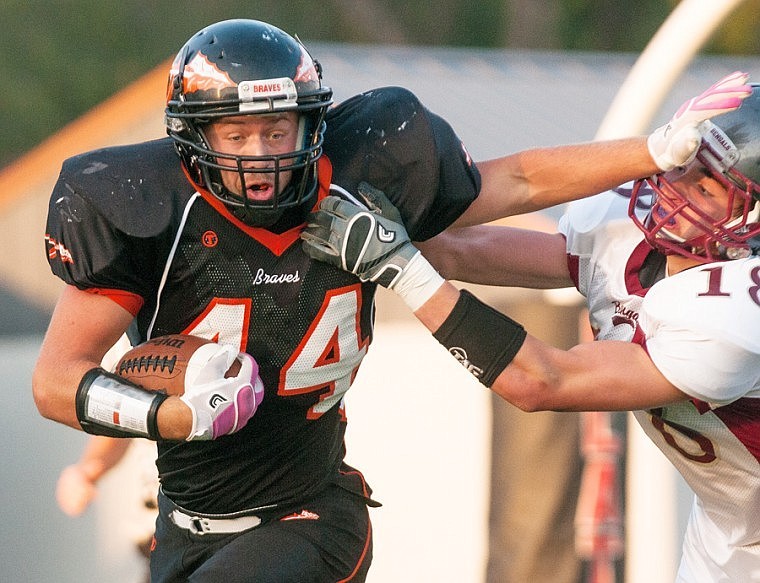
676	264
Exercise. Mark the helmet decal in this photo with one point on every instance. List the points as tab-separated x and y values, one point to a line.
306	71
719	149
200	74
260	95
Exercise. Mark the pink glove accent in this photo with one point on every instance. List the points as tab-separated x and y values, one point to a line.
725	95
676	143
220	404
246	402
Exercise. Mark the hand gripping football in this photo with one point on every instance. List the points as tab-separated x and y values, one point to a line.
162	363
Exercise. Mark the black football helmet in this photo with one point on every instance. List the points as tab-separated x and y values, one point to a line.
730	153
247	67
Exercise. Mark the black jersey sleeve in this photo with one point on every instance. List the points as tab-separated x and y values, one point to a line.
110	214
83	248
388	138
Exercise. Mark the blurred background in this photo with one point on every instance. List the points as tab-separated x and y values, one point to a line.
507	75
59	58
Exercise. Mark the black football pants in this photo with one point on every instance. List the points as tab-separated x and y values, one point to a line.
335	547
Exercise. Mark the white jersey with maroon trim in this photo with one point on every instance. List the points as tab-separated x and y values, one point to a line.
700	327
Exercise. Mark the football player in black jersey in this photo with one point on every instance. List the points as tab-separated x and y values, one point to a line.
198	233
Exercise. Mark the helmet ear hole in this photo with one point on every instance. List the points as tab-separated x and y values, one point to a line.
247	67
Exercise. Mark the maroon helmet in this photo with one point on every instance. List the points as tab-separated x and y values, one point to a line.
729	153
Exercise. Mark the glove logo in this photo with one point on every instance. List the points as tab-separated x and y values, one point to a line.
216	400
384	235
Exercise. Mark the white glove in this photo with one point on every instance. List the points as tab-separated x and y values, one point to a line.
676	143
220	405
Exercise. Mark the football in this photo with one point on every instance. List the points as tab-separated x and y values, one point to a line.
161	363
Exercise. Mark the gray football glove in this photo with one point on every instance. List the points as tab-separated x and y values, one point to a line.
377	201
373	247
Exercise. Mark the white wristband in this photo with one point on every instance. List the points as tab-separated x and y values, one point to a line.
418	283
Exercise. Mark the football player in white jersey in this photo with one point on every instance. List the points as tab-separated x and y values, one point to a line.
670	271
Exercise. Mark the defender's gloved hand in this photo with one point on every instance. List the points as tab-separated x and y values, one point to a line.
373	247
676	143
359	241
221	405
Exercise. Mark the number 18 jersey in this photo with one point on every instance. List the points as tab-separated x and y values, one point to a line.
701	328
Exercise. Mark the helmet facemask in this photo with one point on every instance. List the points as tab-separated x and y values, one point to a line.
301	186
718	235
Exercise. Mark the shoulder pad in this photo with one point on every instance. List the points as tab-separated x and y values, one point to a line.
388	139
137	188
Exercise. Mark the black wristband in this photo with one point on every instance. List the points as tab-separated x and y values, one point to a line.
109	405
481	338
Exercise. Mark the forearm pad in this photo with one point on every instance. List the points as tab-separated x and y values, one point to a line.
109	405
481	338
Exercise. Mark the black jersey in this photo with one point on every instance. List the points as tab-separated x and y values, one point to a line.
127	219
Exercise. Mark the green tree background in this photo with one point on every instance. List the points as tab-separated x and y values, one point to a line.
58	58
